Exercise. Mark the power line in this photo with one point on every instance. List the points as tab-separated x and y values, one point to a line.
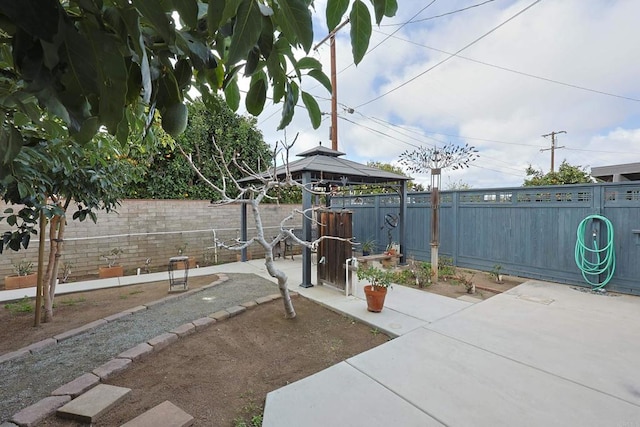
511	70
459	136
452	55
494	170
439	16
378	132
389	36
600	151
414	145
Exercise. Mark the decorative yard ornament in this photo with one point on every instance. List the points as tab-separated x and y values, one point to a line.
433	160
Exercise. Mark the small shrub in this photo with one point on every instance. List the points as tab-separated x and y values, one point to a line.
417	274
496	273
23	268
467	282
66	271
446	267
112	257
375	276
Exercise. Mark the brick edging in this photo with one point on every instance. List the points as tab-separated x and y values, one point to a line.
37	346
37	412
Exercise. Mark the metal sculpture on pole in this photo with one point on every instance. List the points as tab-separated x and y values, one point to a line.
433	160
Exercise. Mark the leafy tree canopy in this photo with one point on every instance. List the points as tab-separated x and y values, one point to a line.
168	173
411	186
50	176
566	174
111	63
457	185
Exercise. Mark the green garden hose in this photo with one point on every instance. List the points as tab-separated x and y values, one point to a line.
605	258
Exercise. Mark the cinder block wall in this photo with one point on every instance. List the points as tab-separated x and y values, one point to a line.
154	229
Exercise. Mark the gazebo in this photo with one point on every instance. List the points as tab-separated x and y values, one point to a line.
324	167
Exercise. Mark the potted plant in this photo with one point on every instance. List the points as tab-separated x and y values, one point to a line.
376	291
24	277
113	269
368	246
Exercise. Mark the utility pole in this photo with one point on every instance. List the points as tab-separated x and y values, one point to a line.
334	94
334	83
553	147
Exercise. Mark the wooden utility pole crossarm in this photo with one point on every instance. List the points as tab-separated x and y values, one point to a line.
553	147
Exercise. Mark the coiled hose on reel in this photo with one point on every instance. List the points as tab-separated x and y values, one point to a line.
594	261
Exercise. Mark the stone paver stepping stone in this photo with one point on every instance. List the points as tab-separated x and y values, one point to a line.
90	405
165	414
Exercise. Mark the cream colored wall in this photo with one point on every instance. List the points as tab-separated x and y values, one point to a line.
153	229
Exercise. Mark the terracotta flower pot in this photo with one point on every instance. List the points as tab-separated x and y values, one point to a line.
19	282
375	297
107	272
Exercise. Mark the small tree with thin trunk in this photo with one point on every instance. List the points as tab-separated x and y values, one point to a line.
433	160
253	192
46	183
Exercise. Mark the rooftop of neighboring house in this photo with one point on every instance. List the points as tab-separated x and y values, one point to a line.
617	173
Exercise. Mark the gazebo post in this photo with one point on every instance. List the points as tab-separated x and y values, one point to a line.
306	230
403	219
243	230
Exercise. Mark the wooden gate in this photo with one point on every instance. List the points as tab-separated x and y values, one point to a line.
333	254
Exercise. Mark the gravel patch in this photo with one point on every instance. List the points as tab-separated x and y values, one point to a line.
28	379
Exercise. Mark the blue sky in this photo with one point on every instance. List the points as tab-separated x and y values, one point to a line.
584	46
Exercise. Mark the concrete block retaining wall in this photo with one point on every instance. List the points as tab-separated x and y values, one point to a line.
153	229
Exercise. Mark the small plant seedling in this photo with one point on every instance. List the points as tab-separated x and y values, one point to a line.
374	331
22	306
496	273
73	301
251	412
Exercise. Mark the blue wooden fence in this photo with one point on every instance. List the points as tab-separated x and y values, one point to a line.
529	231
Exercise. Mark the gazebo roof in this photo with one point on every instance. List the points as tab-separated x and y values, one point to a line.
325	165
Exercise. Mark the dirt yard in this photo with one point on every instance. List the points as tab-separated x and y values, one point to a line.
222	374
486	285
77	309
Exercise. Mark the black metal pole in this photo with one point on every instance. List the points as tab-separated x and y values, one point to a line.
243	229
306	230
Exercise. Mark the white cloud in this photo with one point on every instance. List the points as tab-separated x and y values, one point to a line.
592	47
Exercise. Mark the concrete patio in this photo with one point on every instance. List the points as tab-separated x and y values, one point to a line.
541	354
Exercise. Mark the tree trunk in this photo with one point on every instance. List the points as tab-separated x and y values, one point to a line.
56	234
290	312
